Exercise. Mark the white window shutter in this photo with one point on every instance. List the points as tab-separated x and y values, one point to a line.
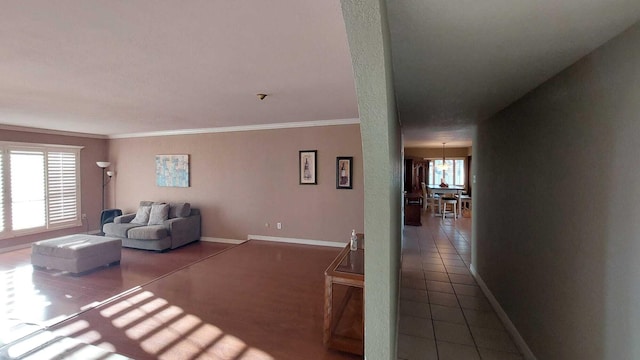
62	187
1	193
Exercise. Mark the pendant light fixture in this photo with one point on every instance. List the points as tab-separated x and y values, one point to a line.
443	166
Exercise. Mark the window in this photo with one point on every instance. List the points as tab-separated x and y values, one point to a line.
454	175
27	189
41	188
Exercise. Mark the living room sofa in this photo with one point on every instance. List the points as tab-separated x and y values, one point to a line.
156	226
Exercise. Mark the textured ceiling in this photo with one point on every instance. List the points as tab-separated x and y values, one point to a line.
458	62
113	67
110	67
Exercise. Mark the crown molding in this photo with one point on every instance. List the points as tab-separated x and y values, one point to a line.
51	132
275	126
224	129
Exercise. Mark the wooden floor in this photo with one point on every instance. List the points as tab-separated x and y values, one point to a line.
47	296
258	300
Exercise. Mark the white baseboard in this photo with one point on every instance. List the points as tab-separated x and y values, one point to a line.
297	241
16	247
221	240
515	334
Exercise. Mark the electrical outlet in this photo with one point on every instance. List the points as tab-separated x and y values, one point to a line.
266	225
279	226
84	216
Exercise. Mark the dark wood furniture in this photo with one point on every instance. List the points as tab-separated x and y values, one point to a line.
412	209
416	172
344	301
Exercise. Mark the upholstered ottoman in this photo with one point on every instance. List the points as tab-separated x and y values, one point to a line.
76	253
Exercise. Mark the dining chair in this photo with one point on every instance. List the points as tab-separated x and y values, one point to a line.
424	195
430	200
444	210
466	201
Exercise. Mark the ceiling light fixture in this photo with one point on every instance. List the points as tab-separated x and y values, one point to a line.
443	166
261	96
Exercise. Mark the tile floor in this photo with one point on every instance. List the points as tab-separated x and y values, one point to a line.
443	313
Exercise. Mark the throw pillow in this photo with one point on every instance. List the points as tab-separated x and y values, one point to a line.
142	216
179	210
159	213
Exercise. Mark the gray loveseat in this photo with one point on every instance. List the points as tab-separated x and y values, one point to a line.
156	226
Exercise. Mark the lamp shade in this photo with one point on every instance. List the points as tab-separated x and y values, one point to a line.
103	164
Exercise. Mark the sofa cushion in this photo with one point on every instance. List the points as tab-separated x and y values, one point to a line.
159	213
118	229
150	232
124	219
179	210
142	216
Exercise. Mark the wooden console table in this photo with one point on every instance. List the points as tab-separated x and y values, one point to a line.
413	209
344	301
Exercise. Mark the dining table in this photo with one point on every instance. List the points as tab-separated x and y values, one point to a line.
444	190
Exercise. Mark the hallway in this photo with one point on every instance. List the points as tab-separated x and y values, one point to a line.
443	313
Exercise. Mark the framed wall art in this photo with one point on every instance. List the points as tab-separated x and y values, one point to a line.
172	170
308	166
344	172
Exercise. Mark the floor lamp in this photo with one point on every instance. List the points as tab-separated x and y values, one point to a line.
104	165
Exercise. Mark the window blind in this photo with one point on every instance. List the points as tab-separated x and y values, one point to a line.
39	188
61	187
1	194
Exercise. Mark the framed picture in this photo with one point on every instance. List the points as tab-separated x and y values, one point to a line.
344	172
308	167
172	170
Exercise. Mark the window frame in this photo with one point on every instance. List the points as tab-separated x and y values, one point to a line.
432	166
5	184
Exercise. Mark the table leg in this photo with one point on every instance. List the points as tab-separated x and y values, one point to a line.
328	303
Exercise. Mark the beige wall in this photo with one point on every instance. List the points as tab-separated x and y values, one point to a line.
242	180
556	208
431	153
91	183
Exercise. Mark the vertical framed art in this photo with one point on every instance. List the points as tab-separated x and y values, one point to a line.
344	172
308	167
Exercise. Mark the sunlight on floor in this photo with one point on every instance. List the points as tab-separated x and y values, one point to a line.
47	345
164	331
19	298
